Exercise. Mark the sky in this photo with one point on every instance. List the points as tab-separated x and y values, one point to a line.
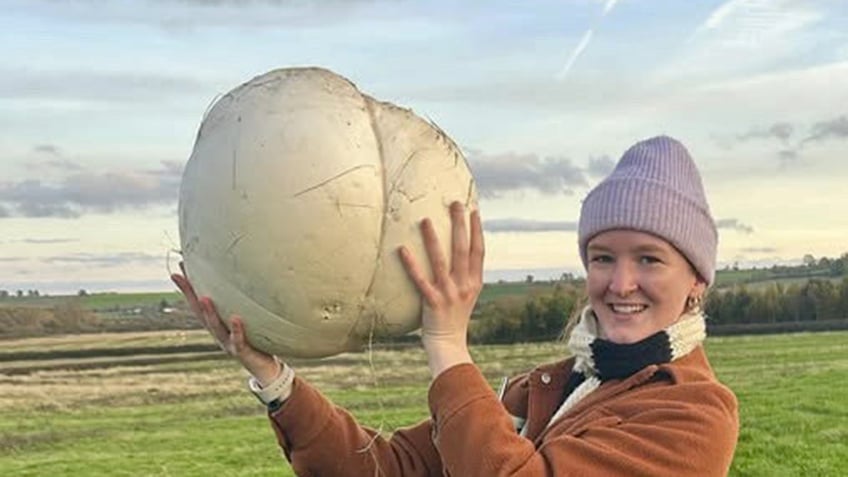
100	102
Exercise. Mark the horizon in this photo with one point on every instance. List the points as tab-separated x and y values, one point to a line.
490	277
100	104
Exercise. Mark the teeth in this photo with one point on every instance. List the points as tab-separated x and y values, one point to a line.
627	309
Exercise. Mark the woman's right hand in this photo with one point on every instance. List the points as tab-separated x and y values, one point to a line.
263	366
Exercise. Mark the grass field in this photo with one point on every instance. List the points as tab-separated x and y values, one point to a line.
97	301
190	415
107	301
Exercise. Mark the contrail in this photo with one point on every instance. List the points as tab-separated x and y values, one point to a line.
608	7
724	10
584	42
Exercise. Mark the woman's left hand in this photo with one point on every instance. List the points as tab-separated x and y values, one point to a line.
450	296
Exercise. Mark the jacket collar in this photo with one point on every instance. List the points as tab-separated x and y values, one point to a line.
545	386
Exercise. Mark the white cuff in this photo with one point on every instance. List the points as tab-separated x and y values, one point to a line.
277	390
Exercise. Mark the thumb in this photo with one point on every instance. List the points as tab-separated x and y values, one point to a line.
237	335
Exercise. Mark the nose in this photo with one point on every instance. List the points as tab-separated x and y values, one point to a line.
623	281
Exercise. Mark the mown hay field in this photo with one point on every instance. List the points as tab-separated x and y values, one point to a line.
189	414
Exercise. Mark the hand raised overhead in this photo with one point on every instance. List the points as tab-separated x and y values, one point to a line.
233	341
451	293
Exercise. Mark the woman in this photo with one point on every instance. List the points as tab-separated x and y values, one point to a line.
637	397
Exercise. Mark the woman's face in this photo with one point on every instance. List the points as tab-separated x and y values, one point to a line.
637	284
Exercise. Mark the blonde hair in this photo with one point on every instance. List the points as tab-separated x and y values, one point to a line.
579	304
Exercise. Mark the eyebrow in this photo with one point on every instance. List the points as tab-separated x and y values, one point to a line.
649	248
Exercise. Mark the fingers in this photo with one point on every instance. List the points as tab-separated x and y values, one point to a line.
459	242
214	323
232	340
203	308
422	282
188	292
466	267
237	339
434	252
477	250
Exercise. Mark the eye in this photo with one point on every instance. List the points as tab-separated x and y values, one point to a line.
649	260
601	258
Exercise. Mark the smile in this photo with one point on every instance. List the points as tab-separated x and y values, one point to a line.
624	309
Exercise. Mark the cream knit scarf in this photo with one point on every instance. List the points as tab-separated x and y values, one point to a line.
599	360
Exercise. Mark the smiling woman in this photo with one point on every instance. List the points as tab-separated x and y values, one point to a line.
638	380
648	241
638	284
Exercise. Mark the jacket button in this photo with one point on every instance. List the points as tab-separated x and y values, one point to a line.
546	378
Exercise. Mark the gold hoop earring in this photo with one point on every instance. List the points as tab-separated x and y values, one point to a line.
693	303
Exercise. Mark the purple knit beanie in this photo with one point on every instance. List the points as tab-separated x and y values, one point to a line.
655	188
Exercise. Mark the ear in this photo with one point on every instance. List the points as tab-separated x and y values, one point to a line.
699	288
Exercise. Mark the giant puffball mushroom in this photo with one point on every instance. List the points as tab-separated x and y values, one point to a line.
297	195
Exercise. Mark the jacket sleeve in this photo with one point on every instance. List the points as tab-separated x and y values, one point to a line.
668	437
320	439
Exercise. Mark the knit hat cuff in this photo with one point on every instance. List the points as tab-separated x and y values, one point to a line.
651	207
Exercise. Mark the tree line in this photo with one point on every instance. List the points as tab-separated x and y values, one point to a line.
543	315
815	300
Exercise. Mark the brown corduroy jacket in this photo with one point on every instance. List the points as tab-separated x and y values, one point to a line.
673	419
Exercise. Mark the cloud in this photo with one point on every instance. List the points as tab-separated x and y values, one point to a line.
721	13
184	15
49	241
87	191
523	225
834	128
787	156
94	86
279	3
600	166
510	172
103	260
779	130
741	37
56	159
759	250
11	259
752	23
35	210
47	149
60	165
734	224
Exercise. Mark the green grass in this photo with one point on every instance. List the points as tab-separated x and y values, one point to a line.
764	276
497	290
784	282
97	301
197	419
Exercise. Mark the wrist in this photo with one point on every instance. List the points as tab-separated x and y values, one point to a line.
267	370
441	356
276	392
